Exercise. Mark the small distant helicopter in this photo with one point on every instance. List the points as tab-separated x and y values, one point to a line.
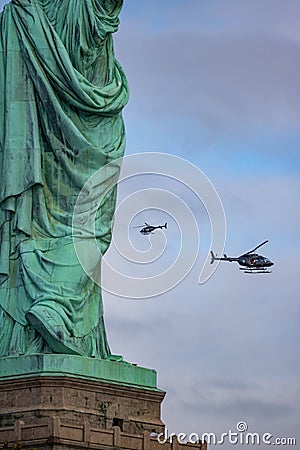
252	262
150	228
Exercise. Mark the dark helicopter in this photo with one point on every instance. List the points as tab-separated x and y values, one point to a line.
252	262
150	228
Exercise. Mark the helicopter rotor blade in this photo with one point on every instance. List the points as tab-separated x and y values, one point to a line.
138	226
253	250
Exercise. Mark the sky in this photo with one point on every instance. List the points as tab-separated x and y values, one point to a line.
216	84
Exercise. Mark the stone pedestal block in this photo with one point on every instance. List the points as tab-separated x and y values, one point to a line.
75	402
59	402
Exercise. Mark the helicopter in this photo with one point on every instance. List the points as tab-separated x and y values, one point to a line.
252	262
150	228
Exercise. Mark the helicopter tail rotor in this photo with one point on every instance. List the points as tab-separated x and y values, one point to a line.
213	258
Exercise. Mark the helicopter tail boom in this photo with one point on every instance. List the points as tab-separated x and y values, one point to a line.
225	258
163	226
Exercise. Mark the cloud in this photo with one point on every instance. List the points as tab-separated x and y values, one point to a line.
217	407
223	84
214	82
229	344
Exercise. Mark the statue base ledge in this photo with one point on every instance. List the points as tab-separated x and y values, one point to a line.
59	365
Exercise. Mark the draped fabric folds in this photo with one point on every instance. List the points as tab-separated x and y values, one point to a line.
61	98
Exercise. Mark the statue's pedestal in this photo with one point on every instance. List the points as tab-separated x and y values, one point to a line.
60	402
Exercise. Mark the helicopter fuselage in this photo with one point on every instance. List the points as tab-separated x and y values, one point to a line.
254	260
147	230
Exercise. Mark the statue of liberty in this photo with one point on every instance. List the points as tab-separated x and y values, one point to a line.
61	98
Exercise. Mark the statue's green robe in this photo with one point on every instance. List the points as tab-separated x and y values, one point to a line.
61	96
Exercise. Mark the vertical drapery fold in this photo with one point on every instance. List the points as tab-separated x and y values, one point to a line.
62	93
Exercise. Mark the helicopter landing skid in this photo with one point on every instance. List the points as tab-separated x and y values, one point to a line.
256	270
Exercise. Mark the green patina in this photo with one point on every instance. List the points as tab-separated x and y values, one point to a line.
83	367
61	98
